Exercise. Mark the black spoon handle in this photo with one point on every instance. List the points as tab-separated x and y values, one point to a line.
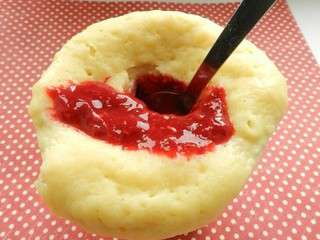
244	19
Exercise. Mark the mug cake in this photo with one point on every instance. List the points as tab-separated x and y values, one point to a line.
116	167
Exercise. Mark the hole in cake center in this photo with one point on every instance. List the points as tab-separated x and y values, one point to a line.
149	81
149	84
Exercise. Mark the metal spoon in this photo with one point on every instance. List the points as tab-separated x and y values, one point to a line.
244	19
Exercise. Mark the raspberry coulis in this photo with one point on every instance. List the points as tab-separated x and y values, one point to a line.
124	119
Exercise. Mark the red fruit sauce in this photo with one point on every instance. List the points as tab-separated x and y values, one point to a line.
124	119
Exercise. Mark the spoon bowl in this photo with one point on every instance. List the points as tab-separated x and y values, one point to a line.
170	102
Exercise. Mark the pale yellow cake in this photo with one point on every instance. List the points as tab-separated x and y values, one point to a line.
140	195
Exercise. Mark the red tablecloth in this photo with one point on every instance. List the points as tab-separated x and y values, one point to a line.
281	199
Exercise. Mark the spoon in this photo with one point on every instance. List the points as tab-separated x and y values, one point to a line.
244	19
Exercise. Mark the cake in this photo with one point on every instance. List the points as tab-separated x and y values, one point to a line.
143	189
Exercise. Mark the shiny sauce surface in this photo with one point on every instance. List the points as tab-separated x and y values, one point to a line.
123	119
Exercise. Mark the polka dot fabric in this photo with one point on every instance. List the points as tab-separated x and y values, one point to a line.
280	200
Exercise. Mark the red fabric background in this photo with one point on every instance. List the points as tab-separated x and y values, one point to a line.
280	200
